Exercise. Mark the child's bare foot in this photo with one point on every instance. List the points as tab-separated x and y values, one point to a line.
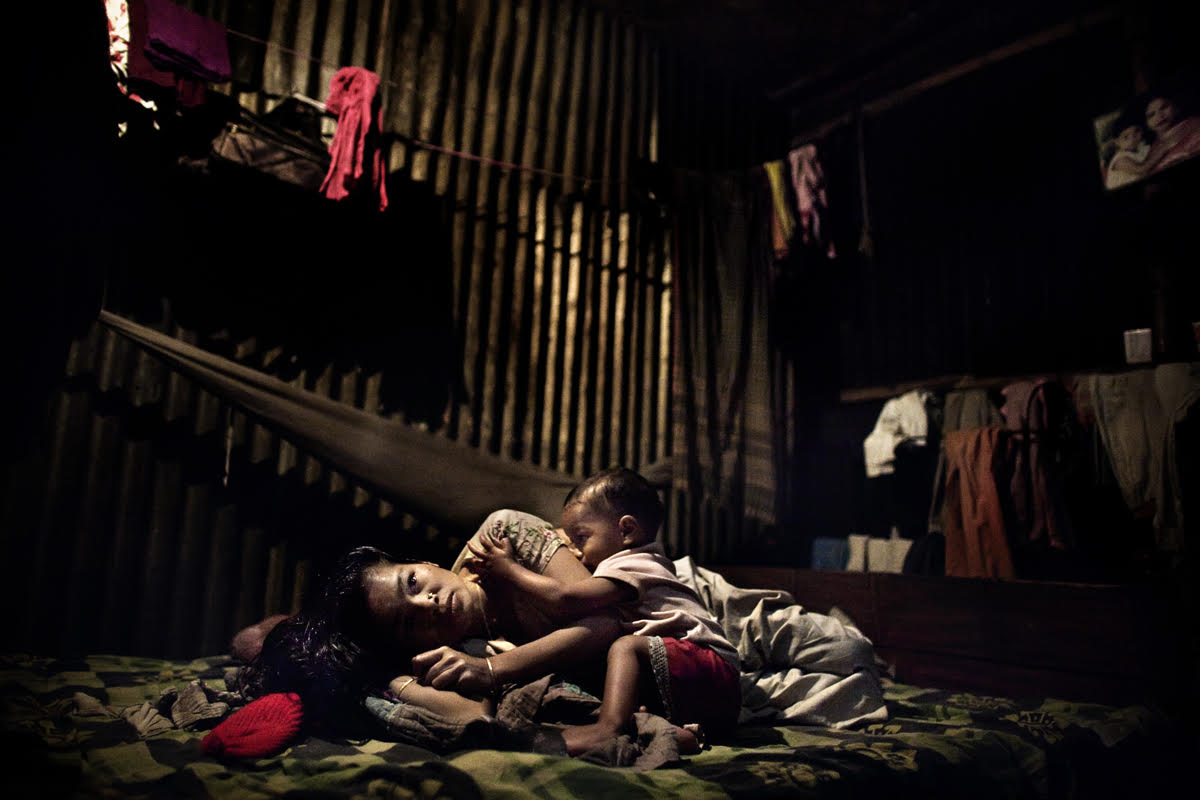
582	738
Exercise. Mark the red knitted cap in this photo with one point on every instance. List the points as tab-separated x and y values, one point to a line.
260	729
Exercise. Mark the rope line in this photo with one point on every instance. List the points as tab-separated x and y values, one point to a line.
587	181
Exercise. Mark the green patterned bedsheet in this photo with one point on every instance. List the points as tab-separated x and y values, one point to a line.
936	744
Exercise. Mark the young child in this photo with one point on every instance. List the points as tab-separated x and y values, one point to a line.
1129	161
672	643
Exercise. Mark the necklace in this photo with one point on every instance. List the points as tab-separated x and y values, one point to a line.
483	605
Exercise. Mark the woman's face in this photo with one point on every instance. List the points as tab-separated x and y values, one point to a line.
1160	114
422	606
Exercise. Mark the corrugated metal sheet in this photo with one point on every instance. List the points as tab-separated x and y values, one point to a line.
562	300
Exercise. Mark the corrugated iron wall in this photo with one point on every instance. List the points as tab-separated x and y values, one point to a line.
160	520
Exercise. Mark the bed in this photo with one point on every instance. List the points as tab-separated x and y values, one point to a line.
936	743
70	730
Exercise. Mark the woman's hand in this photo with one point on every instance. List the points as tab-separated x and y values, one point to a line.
494	555
451	705
447	668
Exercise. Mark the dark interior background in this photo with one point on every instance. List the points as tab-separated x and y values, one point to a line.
995	252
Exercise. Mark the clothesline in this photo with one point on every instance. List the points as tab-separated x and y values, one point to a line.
437	148
415	142
806	174
419	143
943	383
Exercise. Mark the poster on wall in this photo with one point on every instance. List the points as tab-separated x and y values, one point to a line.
1151	132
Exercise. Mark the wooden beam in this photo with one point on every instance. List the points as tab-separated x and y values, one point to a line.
918	87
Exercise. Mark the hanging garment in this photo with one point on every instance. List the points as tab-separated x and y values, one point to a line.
117	12
1178	387
725	379
120	13
903	419
976	539
808	181
189	91
1130	418
357	159
783	224
446	482
186	43
963	409
900	456
1033	416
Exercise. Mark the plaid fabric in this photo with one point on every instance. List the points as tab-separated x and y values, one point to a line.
722	386
936	744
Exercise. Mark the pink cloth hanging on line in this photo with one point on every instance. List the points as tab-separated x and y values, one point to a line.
808	181
354	97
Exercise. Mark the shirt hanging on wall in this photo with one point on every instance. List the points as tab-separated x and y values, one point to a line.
903	419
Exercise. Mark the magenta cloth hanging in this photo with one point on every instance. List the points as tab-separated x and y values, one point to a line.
808	181
186	43
354	97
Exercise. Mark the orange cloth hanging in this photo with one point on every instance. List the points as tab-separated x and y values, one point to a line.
976	538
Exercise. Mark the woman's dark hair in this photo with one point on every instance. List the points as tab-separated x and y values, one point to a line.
622	491
328	653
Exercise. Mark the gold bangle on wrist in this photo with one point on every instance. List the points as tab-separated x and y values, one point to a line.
492	674
403	686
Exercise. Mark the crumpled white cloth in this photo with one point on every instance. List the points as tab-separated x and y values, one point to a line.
797	665
902	419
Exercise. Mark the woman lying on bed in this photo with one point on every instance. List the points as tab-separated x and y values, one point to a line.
382	624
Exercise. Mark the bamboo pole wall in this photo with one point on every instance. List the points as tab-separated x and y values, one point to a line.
561	300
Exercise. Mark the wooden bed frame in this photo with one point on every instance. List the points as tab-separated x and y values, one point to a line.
1102	643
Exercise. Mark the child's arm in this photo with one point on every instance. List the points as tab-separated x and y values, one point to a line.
558	599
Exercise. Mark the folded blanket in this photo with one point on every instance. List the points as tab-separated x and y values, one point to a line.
196	707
